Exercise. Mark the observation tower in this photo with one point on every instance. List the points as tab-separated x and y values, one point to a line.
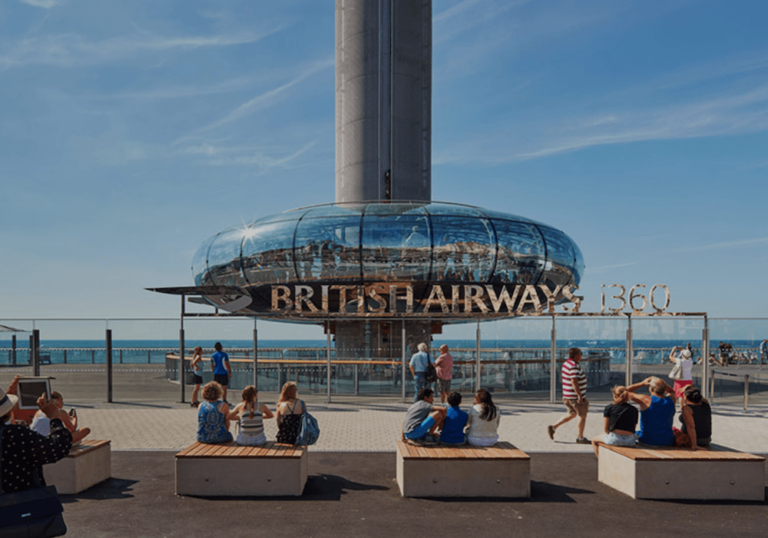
384	262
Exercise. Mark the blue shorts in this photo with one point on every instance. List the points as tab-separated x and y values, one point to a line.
422	430
615	439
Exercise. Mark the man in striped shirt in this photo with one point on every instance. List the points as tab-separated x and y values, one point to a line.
574	396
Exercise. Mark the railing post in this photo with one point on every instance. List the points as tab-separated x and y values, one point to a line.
630	352
553	364
109	364
478	372
357	380
65	356
93	356
712	388
182	362
13	348
121	355
705	358
328	361
36	352
255	355
149	356
402	369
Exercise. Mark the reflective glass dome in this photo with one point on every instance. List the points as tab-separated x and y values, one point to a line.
366	243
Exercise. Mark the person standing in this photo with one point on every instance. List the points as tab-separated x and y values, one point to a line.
764	352
444	368
197	374
574	396
418	366
221	369
686	365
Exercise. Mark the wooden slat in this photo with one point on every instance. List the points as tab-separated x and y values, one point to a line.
681	454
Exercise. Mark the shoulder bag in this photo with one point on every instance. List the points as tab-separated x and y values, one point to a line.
430	373
34	512
309	431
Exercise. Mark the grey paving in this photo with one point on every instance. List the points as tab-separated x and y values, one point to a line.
371	427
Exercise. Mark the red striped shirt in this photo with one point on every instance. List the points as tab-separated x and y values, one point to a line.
572	370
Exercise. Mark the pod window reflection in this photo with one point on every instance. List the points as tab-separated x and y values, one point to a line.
364	244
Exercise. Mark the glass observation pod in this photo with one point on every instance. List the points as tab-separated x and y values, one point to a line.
359	244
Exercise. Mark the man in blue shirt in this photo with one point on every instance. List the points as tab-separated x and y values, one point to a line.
221	369
454	423
418	366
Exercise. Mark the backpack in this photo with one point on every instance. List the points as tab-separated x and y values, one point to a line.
309	431
430	373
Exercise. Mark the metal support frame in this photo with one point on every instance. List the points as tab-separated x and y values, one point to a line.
108	344
35	352
402	370
478	372
255	355
630	352
553	364
182	362
328	362
705	358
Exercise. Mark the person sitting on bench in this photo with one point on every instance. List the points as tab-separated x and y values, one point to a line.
619	422
422	419
696	417
212	416
657	412
42	424
483	422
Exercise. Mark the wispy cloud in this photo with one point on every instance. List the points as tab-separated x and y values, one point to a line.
45	4
722	115
727	244
263	100
69	50
263	158
605	268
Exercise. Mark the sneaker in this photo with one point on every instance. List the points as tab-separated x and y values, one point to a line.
583	441
551	432
431	440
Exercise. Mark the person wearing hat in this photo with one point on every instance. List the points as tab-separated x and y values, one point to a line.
24	452
685	360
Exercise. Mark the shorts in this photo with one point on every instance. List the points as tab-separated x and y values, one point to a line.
221	379
482	441
197	379
422	430
614	439
679	387
576	408
443	385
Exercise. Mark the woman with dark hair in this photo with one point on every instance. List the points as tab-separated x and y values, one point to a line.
483	421
213	416
696	419
619	422
251	414
289	411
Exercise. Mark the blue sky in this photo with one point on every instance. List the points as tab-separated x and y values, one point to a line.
132	131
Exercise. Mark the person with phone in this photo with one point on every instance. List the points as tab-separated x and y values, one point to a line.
41	422
24	452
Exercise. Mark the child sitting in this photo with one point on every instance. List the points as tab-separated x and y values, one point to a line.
250	413
455	420
42	424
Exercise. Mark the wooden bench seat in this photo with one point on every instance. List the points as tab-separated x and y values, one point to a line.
230	470
87	464
463	471
679	473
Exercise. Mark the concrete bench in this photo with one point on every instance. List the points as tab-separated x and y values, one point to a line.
463	471
678	473
87	464
230	470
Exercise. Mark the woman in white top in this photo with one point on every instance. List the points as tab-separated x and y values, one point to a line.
686	365
483	421
250	414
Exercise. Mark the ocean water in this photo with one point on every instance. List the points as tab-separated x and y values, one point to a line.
153	351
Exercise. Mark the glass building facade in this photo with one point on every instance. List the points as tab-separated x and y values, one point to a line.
364	243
